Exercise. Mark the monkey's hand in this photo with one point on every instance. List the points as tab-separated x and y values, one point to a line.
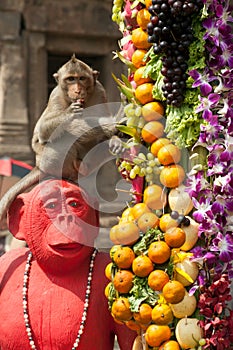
115	145
77	107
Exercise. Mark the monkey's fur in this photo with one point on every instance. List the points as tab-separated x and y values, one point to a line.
67	129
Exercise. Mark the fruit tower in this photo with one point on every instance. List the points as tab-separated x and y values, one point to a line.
169	278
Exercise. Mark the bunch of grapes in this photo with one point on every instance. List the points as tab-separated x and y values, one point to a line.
133	113
170	31
143	165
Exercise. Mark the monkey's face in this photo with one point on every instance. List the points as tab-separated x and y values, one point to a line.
78	86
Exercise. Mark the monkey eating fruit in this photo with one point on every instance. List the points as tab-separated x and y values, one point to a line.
68	129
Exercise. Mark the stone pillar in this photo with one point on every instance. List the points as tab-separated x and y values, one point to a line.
13	80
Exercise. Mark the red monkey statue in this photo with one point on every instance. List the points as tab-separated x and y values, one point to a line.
52	293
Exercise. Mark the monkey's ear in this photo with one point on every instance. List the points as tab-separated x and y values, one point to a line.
95	74
16	218
56	77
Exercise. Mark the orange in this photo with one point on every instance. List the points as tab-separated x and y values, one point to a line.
170	345
152	131
142	266
175	237
123	257
172	175
121	309
108	271
156	145
140	39
152	111
157	280
139	77
147	221
169	154
143	93
144	314
143	18
138	58
159	252
156	334
173	292
166	222
162	314
127	233
154	197
131	324
127	215
140	209
123	281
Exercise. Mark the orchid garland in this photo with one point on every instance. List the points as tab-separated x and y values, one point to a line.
211	184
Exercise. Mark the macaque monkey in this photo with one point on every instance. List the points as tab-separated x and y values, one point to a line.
68	129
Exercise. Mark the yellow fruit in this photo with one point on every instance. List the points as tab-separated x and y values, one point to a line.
162	314
108	271
107	288
127	215
166	222
139	209
155	334
188	332
131	324
179	200
143	18
123	257
142	266
173	292
188	267
148	3
140	38
152	111
170	345
152	131
191	233
143	93
147	221
127	233
186	307
154	197
112	235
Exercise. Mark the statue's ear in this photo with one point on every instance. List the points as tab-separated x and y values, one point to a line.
16	218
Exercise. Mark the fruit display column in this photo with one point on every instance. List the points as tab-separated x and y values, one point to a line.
172	253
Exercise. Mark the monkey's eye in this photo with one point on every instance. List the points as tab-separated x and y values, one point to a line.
70	79
82	78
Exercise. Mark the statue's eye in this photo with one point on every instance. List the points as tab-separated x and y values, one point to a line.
50	205
74	204
82	78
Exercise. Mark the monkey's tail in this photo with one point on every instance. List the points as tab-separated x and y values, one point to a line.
21	186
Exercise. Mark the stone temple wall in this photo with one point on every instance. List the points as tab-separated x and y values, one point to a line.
36	37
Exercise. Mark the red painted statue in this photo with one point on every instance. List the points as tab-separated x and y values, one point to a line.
52	293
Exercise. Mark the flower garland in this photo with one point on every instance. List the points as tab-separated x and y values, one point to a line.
204	122
211	187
